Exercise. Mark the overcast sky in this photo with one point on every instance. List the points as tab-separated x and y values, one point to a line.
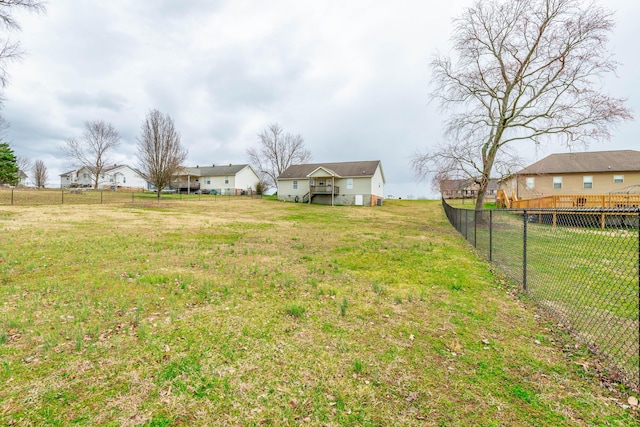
350	76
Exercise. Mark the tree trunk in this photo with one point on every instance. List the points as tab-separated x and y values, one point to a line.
484	183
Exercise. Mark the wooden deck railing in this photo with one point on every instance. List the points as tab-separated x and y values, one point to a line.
581	201
324	189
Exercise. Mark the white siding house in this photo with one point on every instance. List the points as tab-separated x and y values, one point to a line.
221	179
345	183
23	179
111	178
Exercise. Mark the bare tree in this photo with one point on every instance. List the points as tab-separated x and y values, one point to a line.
10	50
160	153
40	174
526	71
275	153
460	161
93	148
23	163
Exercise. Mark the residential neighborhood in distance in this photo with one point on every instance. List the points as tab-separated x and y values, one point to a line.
223	179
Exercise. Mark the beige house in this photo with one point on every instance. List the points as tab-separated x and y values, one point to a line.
584	173
345	183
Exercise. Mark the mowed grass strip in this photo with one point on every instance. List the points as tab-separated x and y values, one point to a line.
256	312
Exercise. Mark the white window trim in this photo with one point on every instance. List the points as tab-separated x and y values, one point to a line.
295	184
557	180
530	183
587	182
618	179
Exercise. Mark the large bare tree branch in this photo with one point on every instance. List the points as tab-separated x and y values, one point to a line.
10	50
526	71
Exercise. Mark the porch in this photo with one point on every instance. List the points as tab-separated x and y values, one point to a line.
324	189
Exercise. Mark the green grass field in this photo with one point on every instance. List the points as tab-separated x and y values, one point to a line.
256	312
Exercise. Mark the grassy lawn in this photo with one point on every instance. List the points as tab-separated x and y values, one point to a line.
255	312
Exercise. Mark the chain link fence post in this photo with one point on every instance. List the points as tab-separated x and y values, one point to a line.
524	250
491	235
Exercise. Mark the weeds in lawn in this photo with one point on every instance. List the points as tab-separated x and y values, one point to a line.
206	314
343	306
296	310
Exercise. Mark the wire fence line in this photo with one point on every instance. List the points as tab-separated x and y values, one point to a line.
582	266
32	196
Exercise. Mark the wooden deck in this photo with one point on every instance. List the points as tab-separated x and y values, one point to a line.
572	201
324	189
607	205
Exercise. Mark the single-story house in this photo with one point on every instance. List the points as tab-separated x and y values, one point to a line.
583	173
218	179
346	183
23	179
111	178
466	188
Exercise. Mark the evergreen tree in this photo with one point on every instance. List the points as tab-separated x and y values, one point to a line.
8	166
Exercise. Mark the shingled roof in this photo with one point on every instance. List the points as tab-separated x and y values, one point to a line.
342	169
222	170
595	161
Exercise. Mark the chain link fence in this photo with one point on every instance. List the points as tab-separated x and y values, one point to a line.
580	265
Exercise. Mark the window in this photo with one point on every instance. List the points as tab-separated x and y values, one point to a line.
207	180
350	184
226	179
531	183
587	182
618	179
295	185
557	182
124	179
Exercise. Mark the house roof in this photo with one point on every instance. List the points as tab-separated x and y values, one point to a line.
342	169
595	161
104	169
221	170
462	184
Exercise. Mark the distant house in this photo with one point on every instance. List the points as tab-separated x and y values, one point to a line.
584	173
466	188
218	179
346	183
111	178
22	178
